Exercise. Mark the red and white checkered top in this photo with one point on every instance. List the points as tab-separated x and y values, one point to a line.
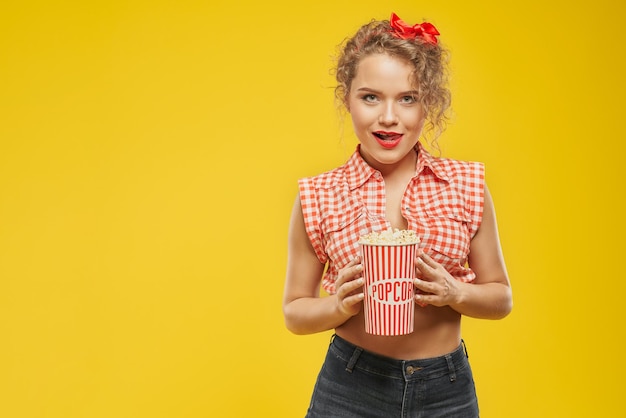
443	203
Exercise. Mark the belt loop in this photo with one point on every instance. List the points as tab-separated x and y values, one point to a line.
451	367
355	356
464	348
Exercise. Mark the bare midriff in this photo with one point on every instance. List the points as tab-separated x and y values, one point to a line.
437	332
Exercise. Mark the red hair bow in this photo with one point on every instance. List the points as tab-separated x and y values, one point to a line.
426	31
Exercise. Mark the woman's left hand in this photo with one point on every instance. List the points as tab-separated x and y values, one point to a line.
437	286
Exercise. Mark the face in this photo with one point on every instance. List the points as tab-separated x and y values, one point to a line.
386	113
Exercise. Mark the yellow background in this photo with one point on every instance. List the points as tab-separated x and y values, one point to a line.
149	153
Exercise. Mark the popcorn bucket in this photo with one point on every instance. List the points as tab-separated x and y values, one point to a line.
389	303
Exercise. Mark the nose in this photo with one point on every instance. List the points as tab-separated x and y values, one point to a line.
388	115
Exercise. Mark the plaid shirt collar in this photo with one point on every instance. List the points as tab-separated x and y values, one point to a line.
358	171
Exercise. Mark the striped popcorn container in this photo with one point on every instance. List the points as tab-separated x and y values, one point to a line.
388	271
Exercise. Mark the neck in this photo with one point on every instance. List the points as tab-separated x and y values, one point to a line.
403	168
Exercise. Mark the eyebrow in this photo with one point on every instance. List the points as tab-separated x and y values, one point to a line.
404	93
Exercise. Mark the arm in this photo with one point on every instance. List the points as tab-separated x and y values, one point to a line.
304	310
489	296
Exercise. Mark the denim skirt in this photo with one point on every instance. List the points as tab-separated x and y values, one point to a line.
356	383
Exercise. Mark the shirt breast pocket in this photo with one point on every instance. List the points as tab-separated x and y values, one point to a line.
448	233
343	230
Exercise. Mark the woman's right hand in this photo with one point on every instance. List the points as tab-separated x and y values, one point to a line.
349	288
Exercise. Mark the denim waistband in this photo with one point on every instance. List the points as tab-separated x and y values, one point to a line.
429	368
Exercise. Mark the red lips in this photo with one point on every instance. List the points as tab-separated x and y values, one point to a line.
387	139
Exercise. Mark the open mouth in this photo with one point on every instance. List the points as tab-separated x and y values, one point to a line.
387	139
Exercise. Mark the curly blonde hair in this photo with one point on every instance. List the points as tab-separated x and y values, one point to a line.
429	61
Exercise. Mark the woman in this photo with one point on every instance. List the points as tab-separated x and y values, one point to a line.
391	78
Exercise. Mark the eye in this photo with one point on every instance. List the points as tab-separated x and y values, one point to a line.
408	99
369	98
